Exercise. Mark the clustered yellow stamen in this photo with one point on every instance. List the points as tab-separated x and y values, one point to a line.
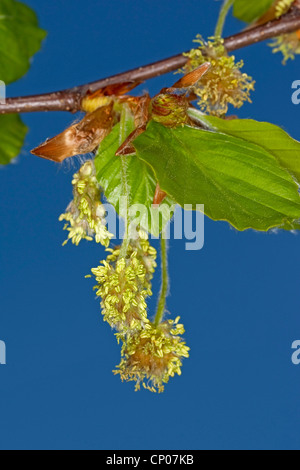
124	284
224	83
153	356
282	7
288	45
150	354
86	214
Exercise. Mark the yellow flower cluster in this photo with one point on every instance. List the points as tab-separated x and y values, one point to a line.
85	215
151	354
288	45
224	83
154	355
123	285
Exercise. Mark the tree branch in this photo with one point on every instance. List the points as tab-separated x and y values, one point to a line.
70	99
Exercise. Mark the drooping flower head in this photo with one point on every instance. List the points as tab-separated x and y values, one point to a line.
85	215
153	355
224	83
123	284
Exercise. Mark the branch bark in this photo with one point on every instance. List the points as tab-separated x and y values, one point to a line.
70	99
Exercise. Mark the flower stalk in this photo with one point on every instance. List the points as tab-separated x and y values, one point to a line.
125	114
165	281
227	4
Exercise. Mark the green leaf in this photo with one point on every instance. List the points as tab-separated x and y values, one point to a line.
140	178
20	39
272	138
236	180
250	10
12	135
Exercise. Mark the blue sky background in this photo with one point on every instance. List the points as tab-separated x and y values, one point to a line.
238	297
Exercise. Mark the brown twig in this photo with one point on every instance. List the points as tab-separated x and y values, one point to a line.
70	99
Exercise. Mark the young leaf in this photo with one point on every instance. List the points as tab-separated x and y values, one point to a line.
140	178
20	39
236	180
272	138
12	135
250	10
